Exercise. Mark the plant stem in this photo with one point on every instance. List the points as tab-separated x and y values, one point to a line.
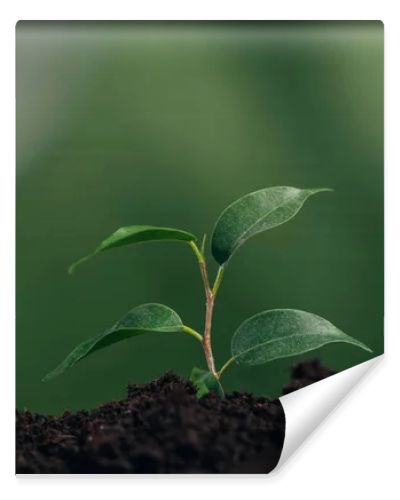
193	333
230	360
207	333
210	296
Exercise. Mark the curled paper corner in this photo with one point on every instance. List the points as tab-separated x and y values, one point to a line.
305	409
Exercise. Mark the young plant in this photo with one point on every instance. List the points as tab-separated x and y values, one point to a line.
269	335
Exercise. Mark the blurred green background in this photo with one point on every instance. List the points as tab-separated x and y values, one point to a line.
166	124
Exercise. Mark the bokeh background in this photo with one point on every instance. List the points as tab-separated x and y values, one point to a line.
166	124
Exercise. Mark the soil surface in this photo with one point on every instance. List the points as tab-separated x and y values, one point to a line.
306	373
161	427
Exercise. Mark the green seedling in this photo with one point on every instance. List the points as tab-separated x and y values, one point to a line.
267	336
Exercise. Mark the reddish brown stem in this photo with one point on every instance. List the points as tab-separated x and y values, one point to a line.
208	319
210	296
207	334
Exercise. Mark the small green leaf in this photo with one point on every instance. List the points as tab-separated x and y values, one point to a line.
281	333
254	213
142	319
205	382
137	234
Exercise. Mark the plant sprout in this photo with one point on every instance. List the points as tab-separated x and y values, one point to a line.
267	336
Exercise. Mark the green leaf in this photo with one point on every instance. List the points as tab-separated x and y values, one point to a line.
205	382
254	213
142	319
281	333
136	234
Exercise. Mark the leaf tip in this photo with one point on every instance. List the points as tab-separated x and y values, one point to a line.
322	190
77	263
53	374
366	348
71	269
56	372
46	378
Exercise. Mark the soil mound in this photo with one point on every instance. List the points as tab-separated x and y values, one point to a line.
161	427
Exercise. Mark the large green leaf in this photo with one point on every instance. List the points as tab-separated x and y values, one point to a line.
137	234
205	382
254	213
139	320
281	333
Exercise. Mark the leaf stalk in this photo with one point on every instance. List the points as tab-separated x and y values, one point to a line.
225	366
193	333
218	280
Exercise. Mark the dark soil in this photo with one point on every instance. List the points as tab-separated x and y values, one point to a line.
161	427
306	373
